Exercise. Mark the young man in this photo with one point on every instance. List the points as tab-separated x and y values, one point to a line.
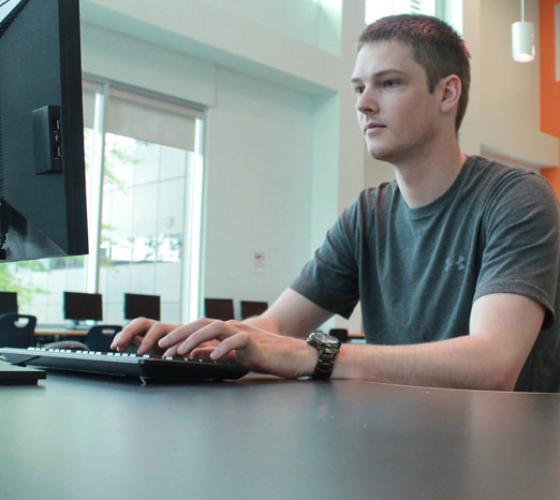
455	263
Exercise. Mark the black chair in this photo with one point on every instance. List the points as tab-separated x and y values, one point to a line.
16	330
99	337
250	308
340	333
219	309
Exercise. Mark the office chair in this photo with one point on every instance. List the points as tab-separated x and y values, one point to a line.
15	334
250	308
99	337
340	333
219	309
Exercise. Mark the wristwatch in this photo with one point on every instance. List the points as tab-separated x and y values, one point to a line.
328	347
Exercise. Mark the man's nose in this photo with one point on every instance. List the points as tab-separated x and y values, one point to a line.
367	103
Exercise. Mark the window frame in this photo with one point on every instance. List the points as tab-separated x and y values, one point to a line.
193	241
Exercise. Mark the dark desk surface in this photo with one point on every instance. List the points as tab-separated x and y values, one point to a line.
84	438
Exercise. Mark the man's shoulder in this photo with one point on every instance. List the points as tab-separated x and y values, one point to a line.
507	194
371	203
495	179
371	197
492	170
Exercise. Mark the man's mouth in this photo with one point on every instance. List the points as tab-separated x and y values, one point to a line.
373	127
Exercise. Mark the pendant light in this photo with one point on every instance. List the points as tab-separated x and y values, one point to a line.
523	38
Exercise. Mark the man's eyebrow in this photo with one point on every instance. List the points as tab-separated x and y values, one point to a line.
379	74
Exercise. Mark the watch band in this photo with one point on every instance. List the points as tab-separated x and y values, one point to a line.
327	347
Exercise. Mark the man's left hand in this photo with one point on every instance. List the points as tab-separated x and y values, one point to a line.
257	349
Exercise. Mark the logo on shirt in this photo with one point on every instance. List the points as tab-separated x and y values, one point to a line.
457	264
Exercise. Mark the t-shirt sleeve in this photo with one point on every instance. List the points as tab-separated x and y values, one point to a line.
521	232
330	279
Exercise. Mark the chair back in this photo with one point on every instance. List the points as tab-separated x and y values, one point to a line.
340	333
16	330
99	337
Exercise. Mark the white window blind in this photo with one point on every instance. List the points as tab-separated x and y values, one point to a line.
142	117
150	120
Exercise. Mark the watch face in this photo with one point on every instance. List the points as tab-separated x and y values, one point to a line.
328	347
325	338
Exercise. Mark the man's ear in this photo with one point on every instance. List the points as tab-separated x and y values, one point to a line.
451	92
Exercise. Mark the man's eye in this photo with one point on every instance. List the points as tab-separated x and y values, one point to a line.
359	90
389	83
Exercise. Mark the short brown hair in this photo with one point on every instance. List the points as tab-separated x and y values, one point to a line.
436	46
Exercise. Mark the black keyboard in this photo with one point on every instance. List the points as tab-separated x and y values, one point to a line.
147	367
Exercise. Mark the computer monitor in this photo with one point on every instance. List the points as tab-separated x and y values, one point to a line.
218	309
82	306
250	308
8	302
42	169
136	305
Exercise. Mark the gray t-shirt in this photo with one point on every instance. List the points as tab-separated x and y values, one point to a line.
418	271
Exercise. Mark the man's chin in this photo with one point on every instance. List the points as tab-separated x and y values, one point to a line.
380	154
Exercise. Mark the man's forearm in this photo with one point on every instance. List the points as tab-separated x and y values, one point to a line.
291	315
271	325
263	323
463	362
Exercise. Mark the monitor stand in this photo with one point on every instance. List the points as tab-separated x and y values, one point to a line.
76	324
20	240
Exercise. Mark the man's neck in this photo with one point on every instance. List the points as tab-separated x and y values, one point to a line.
425	178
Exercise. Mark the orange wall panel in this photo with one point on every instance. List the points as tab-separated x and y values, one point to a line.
550	88
552	175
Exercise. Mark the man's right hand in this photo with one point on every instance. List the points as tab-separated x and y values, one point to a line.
146	333
292	314
143	332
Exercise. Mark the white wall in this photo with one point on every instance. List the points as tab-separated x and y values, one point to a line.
313	22
207	30
259	159
510	90
283	153
259	165
504	114
282	148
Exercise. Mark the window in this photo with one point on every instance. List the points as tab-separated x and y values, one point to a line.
376	8
451	11
144	191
